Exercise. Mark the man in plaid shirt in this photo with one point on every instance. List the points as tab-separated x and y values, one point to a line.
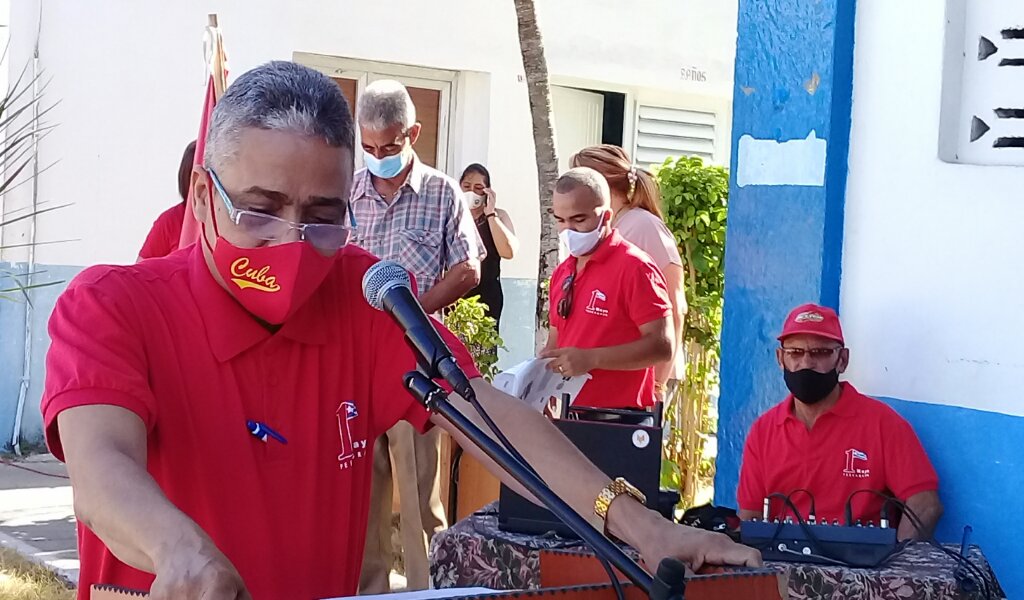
408	212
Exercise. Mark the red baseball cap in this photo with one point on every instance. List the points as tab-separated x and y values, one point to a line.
815	320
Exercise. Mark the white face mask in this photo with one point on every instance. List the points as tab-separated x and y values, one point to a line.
473	199
582	243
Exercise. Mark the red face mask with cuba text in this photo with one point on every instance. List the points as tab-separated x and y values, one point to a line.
271	282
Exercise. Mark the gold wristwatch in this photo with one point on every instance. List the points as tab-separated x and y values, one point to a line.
612	491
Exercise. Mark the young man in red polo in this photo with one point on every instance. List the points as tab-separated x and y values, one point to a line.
833	441
610	311
216	408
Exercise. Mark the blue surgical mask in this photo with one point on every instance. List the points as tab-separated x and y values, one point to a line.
389	166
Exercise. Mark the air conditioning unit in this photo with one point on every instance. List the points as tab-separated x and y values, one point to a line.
982	120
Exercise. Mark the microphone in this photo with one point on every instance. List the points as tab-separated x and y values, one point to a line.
386	287
670	582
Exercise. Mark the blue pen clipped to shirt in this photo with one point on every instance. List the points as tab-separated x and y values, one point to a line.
261	431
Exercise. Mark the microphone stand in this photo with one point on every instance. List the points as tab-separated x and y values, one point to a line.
435	400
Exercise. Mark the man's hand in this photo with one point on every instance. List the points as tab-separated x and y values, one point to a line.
577	481
115	497
654	346
197	572
570	362
695	547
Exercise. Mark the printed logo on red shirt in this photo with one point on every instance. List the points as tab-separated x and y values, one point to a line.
248	277
597	297
852	457
350	449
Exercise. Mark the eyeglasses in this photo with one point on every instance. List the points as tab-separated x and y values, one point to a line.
565	302
325	236
813	353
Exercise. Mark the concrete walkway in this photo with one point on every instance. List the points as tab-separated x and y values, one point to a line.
36	514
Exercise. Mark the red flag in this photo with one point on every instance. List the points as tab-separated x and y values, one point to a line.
217	66
190	227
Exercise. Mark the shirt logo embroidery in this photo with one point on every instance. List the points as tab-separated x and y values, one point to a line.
852	456
810	316
350	449
258	279
592	307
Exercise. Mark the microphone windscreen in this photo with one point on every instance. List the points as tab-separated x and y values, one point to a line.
380	278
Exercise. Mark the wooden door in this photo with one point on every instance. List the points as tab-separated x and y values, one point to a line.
428	103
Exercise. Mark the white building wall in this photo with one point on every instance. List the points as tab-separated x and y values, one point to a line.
129	78
932	285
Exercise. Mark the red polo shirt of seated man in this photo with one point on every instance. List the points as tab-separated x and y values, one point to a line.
619	289
163	340
859	444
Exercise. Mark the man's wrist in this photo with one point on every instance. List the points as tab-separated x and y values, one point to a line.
631	521
595	357
185	534
433	300
427	304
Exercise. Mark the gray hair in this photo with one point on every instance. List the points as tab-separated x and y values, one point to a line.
384	104
279	96
584	177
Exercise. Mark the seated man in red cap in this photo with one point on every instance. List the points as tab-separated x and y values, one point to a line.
828	439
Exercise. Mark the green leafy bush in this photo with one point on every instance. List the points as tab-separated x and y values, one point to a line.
468	320
695	198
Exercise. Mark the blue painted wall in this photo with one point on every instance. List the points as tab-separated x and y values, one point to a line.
981	474
794	65
517	320
12	352
784	247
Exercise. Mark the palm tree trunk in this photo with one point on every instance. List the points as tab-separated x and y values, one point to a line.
536	67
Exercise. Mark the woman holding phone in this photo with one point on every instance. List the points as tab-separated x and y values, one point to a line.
496	231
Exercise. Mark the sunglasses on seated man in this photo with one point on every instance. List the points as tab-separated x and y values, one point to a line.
813	353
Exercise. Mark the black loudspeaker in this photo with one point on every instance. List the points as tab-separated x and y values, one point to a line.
620	450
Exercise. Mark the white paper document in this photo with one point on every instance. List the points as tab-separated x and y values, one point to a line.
424	594
531	382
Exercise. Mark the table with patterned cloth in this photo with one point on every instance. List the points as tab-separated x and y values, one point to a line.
474	552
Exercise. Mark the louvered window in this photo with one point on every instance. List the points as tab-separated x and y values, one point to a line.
663	132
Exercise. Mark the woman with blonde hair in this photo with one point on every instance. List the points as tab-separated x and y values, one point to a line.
638	217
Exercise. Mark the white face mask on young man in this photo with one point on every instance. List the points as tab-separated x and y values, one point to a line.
582	243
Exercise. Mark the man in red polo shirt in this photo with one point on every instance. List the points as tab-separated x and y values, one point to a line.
610	312
831	440
216	407
164	236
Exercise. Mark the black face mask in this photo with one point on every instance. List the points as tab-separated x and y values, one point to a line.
810	386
